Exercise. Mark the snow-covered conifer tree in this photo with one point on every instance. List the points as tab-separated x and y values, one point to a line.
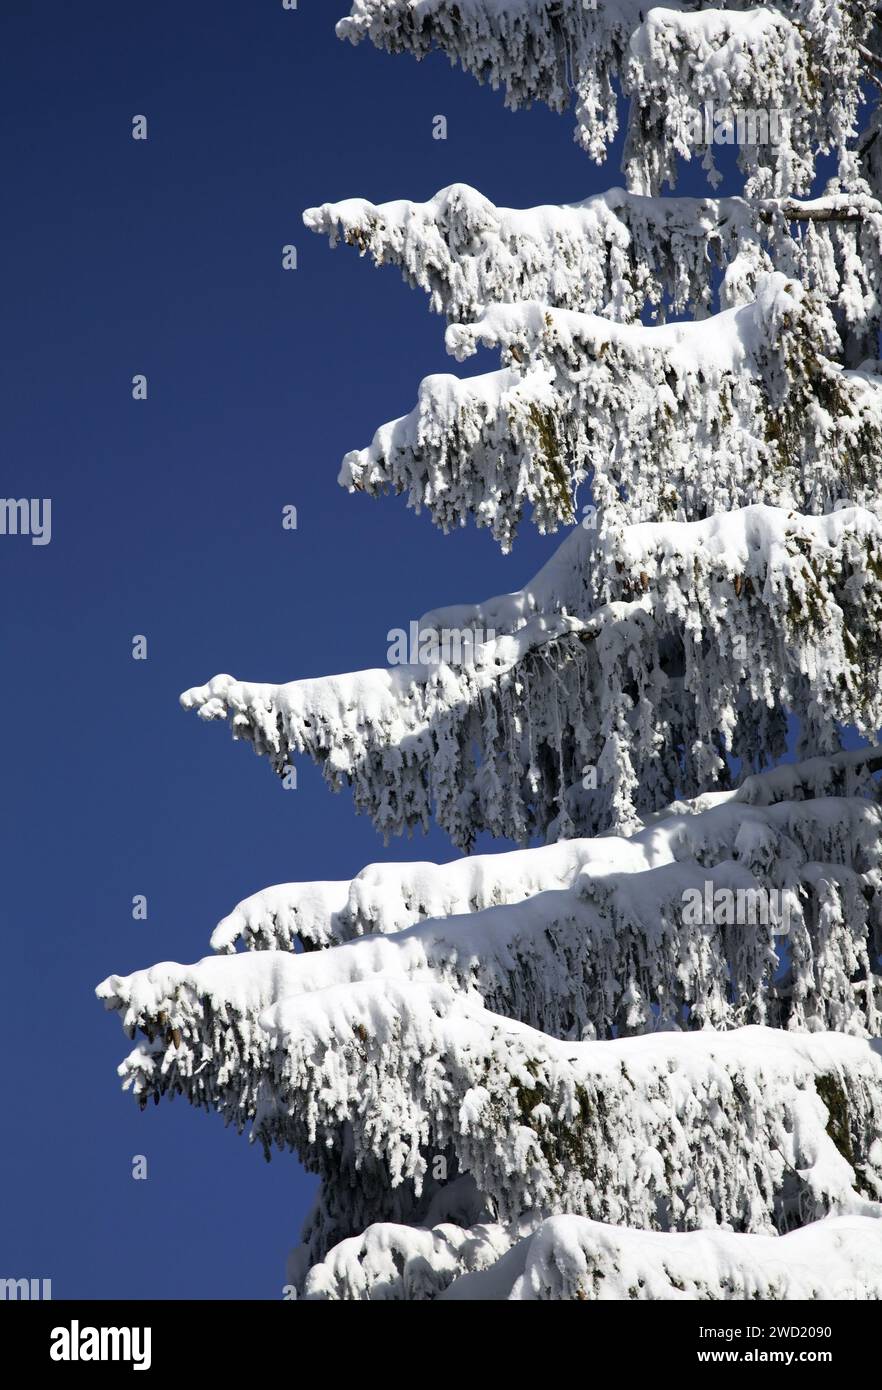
637	1057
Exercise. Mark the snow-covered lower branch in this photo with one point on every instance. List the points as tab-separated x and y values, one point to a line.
571	1257
371	1081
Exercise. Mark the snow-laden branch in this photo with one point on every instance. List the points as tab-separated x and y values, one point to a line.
678	420
410	1263
639	660
611	254
616	253
571	1257
800	57
484	447
370	1081
386	898
681	67
688	922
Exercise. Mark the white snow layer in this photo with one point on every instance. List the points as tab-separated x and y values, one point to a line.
615	946
601	938
634	945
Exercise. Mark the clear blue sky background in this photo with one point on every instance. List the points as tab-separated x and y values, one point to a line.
164	258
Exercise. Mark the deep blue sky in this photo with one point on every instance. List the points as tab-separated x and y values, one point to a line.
164	257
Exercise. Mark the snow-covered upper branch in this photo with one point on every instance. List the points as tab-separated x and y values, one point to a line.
681	65
801	57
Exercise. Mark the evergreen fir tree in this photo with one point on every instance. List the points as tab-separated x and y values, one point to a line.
639	1060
